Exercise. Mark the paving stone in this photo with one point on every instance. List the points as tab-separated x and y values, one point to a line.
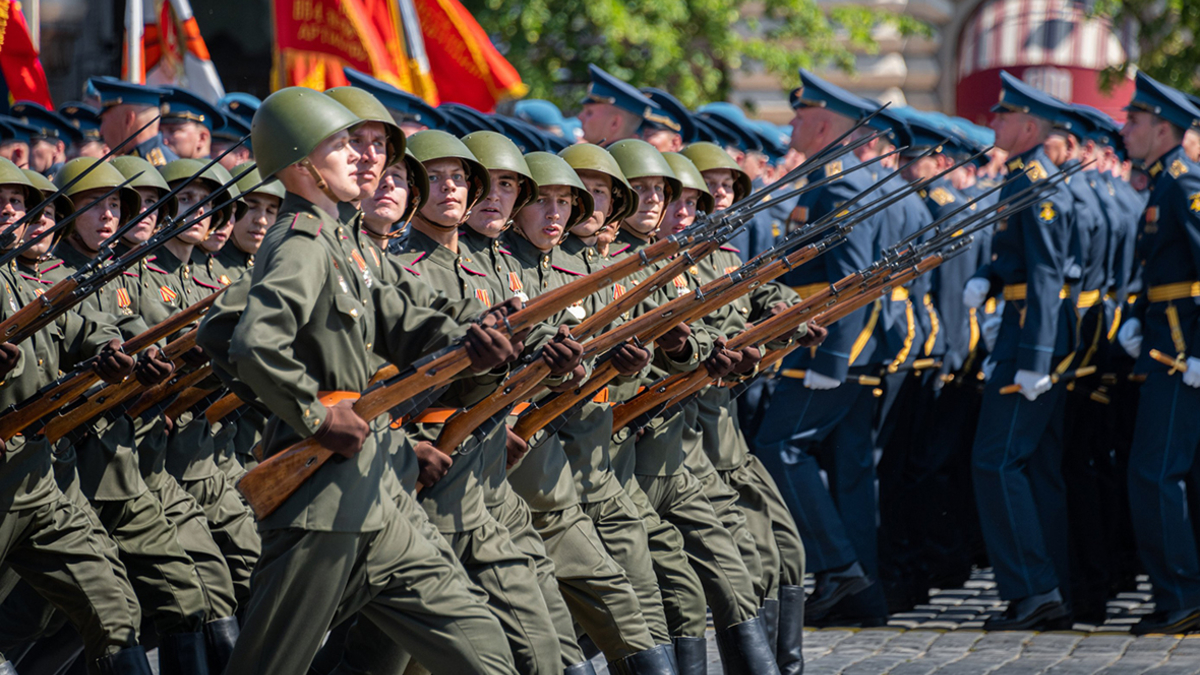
913	642
957	641
1102	644
1053	643
1150	645
1082	665
1007	641
977	663
1028	665
825	638
1130	666
868	640
832	663
876	665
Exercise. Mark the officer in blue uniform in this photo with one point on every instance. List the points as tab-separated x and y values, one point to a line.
1168	429
672	127
826	423
86	120
126	107
1017	456
233	130
15	140
614	109
188	122
54	136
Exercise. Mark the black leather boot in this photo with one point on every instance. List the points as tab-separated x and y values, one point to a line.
789	649
182	654
744	649
770	618
581	668
653	661
128	661
221	635
691	655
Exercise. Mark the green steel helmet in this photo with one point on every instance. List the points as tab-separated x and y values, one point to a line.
252	183
689	177
368	108
62	203
550	169
498	153
710	156
146	175
291	123
215	177
103	177
432	144
639	159
589	157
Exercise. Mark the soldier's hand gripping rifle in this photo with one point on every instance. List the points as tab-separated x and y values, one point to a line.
90	277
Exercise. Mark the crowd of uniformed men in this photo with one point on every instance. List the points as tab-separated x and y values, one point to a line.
1029	405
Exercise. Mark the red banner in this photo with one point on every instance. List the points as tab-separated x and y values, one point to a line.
464	63
314	39
19	60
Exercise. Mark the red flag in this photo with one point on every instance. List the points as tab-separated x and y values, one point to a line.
314	39
466	66
19	60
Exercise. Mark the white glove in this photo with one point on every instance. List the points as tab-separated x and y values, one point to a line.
1192	376
1130	337
815	380
975	292
991	330
1033	384
988	367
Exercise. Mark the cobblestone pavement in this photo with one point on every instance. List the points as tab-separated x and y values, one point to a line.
944	638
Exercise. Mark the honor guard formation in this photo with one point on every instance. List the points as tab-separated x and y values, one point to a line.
339	382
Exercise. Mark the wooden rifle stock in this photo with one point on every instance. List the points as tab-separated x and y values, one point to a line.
112	395
46	402
177	384
222	408
653	325
269	484
526	381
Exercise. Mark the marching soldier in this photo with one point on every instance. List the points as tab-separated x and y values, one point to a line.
55	134
86	120
188	123
1017	455
1165	436
281	350
614	110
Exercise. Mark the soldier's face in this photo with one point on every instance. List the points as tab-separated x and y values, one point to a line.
544	220
920	169
217	238
100	221
44	223
17	152
651	194
186	139
447	205
664	140
494	212
95	149
188	197
1059	148
1138	133
1011	128
249	230
1191	144
681	213
600	185
598	120
720	184
44	154
386	207
144	227
370	140
337	161
239	154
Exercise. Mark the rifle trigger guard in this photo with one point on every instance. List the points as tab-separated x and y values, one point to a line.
644	257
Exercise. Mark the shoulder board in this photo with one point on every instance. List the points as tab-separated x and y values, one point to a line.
1178	168
471	271
567	271
306	223
205	284
833	168
1036	171
729	248
152	268
1194	202
941	195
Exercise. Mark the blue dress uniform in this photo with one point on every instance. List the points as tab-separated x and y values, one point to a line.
1017	456
113	92
829	429
1168	430
180	106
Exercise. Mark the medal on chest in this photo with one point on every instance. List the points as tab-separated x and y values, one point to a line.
168	295
362	266
681	285
517	288
482	294
1151	226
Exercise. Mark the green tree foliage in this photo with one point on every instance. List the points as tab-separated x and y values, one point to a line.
1167	31
691	48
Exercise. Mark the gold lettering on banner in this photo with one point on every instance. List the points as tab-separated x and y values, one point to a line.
328	27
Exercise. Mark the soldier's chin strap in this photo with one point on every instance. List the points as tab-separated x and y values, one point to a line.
320	181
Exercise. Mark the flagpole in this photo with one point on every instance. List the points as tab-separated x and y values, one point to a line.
414	42
35	24
134	25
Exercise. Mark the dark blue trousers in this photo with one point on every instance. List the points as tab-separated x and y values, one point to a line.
1163	457
805	431
1017	470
